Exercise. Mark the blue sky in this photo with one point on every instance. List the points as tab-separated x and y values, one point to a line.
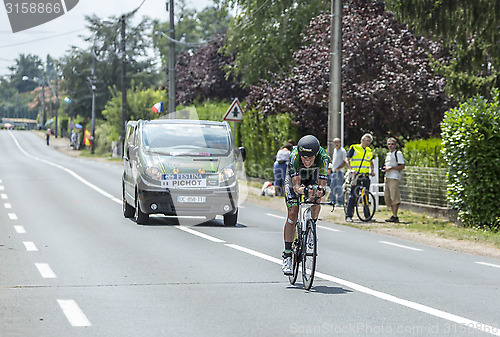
57	36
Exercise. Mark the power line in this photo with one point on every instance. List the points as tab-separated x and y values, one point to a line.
43	39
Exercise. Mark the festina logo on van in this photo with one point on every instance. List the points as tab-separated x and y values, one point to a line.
184	180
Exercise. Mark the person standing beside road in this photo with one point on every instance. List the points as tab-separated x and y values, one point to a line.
338	163
394	163
280	165
47	135
360	160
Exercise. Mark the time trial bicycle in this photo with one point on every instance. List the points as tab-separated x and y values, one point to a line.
305	244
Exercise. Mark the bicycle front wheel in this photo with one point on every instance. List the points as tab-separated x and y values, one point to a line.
295	261
365	206
309	252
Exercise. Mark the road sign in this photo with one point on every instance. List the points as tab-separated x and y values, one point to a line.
234	113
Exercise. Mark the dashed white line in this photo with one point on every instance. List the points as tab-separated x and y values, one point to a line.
20	229
400	246
12	216
73	313
45	270
2	188
277	216
30	246
488	264
202	235
4	196
328	228
7	205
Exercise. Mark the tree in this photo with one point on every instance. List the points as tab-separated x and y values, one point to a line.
387	82
200	74
192	29
26	65
471	29
266	33
105	43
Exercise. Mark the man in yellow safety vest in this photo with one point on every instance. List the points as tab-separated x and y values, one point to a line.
360	160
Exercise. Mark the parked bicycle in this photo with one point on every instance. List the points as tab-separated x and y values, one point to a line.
304	247
365	201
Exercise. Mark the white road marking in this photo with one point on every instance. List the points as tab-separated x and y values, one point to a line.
12	216
73	313
2	188
409	304
20	229
328	228
30	246
74	174
4	196
45	270
400	246
277	216
7	205
202	235
488	264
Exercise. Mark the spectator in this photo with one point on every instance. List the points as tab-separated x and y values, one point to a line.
360	160
394	163
338	163
47	135
280	165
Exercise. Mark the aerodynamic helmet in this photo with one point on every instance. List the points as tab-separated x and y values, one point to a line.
308	146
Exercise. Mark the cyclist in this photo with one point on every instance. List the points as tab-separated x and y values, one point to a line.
307	168
360	160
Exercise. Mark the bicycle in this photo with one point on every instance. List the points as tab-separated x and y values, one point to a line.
365	201
304	247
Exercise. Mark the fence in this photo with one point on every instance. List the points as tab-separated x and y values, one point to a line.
424	185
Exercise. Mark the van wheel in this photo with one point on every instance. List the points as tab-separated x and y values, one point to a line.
141	218
128	211
230	220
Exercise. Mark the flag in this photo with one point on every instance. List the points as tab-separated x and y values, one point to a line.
86	138
158	107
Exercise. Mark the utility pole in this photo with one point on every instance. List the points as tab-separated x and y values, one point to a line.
124	84
171	61
334	113
92	81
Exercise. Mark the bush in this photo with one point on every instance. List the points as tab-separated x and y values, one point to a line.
262	137
471	134
424	153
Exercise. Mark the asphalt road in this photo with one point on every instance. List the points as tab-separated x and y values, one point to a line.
72	265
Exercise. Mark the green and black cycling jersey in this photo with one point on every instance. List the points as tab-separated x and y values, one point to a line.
318	169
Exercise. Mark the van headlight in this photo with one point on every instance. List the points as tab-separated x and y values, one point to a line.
153	172
226	174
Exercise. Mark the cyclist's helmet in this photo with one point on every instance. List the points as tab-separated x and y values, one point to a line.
308	146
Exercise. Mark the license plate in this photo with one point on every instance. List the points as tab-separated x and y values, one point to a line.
181	180
191	199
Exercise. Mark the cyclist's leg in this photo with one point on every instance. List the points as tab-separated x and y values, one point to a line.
291	200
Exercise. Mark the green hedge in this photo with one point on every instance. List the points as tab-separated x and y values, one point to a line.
262	137
424	153
471	138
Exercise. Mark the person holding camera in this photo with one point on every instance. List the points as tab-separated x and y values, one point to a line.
394	163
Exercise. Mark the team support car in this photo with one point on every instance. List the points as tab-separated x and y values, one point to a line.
180	168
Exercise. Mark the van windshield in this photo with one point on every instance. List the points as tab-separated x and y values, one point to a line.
186	139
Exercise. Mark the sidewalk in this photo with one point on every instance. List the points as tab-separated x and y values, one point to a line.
61	144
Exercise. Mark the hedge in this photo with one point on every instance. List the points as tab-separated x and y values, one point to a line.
471	138
262	137
424	153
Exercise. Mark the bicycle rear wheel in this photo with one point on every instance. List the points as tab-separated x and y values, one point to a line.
365	206
309	252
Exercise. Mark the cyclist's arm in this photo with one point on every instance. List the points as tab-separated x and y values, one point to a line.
296	183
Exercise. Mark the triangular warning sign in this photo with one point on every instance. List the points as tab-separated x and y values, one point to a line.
234	113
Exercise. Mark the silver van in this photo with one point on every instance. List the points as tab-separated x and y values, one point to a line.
180	168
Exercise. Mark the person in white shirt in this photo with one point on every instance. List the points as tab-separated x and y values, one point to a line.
280	165
394	163
337	167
